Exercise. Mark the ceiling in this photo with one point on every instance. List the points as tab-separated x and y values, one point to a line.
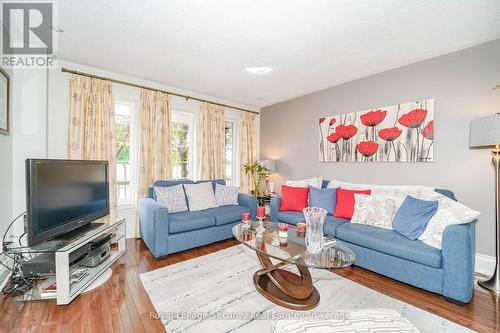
205	45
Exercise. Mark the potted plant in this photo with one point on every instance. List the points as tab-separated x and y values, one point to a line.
257	171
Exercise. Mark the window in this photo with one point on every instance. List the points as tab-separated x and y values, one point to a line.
123	133
230	153
182	139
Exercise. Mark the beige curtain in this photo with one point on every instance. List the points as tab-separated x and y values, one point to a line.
91	133
154	141
212	142
248	150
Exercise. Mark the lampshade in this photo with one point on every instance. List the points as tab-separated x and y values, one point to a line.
485	132
270	164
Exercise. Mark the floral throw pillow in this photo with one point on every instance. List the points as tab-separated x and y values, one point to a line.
171	197
374	210
226	195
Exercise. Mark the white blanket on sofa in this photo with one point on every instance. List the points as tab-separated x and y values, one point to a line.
449	211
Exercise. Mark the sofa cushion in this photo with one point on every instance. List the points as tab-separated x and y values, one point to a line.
329	227
186	221
331	224
291	217
345	202
172	197
294	198
226	214
389	242
200	196
323	198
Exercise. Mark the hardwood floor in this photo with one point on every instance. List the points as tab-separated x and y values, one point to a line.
122	305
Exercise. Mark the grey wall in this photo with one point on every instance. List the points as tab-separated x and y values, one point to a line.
461	84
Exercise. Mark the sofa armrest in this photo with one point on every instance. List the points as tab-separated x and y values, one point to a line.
154	222
249	201
275	208
458	255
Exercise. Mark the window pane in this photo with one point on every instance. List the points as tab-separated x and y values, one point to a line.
123	114
181	139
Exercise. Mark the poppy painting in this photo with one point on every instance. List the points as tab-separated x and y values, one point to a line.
396	133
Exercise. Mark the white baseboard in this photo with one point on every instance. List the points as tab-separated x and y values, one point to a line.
485	264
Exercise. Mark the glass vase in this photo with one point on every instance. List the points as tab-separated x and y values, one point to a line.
315	218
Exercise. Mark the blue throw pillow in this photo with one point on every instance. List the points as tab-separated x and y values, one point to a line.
323	198
412	217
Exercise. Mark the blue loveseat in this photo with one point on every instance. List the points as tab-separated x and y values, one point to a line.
449	271
165	233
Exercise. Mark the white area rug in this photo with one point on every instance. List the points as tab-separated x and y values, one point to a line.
219	285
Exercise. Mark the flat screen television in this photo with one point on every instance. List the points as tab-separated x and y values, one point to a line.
63	195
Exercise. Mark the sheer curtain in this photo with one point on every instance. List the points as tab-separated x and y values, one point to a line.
154	141
91	130
248	149
212	142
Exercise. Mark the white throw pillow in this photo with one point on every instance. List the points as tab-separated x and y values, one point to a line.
200	196
449	212
226	195
171	197
373	210
316	182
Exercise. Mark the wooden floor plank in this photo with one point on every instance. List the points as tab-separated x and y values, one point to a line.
122	304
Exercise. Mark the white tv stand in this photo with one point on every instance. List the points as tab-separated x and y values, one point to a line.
66	289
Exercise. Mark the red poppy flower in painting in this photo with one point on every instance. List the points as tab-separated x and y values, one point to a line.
389	134
332	121
346	132
333	138
373	118
321	120
428	131
414	118
367	148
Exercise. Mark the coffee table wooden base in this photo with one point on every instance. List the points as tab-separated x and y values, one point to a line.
285	288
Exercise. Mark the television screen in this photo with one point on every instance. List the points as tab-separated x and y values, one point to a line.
63	195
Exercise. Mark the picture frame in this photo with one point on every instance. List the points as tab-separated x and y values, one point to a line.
4	102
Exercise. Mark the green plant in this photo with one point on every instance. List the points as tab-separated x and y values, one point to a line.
257	171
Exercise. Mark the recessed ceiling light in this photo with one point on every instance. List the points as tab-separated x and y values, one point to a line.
260	98
57	28
259	70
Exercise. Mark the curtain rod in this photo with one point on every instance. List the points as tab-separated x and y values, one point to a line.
65	70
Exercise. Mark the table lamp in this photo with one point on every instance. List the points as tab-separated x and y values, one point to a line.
485	133
271	166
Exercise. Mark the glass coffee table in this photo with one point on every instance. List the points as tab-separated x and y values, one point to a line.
283	287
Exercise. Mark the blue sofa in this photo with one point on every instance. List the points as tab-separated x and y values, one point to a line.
449	271
165	233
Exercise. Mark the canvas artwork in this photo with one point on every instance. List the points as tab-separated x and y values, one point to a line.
396	133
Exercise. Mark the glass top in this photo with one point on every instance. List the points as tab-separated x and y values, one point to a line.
292	249
70	240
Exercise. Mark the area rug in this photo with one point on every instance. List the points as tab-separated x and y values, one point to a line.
215	293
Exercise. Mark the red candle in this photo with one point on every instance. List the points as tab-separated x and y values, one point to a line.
261	212
246	216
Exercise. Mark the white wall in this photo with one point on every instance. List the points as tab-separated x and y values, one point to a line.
6	200
42	132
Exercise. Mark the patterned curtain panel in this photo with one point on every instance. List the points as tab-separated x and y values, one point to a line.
92	125
154	141
212	142
248	150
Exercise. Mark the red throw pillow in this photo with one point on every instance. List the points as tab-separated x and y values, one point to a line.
294	198
345	202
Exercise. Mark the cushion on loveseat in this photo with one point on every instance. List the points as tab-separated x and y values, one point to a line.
227	214
186	221
389	242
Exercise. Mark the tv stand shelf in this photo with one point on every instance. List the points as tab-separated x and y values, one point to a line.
67	285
